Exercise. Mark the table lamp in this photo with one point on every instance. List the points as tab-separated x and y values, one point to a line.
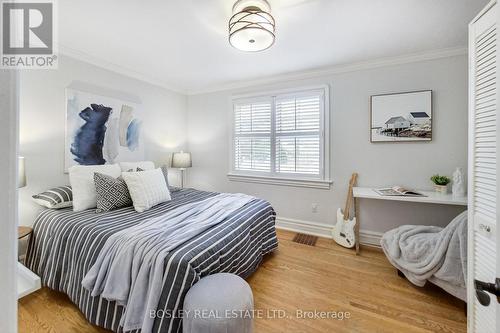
182	161
21	173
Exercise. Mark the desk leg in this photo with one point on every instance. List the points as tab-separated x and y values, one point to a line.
356	228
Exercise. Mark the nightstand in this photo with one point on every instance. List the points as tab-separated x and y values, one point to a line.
24	232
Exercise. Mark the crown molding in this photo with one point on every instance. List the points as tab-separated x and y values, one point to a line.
344	68
110	66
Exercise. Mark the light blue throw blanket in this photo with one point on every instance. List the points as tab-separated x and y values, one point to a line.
129	268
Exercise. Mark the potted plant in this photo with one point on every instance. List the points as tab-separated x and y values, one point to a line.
440	183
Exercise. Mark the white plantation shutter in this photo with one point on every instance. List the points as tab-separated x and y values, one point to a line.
252	136
298	131
280	136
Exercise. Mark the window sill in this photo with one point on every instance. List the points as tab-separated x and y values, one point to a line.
309	183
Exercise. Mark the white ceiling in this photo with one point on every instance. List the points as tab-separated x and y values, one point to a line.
182	44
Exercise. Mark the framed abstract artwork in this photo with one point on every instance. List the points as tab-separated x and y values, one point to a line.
101	129
401	117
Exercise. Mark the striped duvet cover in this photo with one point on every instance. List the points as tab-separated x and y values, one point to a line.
65	244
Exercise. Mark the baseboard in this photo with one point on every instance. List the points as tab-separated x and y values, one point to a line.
371	238
366	237
306	227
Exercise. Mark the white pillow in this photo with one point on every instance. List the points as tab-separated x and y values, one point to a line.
81	178
147	188
144	165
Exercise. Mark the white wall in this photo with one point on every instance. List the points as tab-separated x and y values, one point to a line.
42	122
8	200
378	164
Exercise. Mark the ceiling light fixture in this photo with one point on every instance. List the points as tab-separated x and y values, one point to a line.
252	27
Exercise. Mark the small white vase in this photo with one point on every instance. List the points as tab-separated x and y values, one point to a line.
441	189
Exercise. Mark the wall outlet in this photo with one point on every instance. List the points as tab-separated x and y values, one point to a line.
314	208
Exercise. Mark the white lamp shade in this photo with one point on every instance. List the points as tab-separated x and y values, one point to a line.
181	160
252	27
21	173
252	39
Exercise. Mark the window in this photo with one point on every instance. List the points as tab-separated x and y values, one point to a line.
252	139
281	137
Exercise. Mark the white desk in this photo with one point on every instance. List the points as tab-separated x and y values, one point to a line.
430	198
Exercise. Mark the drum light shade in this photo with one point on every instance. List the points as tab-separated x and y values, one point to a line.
252	27
181	160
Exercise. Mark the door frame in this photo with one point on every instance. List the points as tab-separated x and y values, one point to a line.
9	129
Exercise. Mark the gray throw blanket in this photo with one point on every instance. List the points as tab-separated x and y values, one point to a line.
422	252
130	266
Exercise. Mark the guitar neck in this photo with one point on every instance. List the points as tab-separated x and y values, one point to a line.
348	202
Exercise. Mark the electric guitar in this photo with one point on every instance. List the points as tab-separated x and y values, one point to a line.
344	233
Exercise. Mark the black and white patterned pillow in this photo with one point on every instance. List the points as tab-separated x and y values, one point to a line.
55	198
112	193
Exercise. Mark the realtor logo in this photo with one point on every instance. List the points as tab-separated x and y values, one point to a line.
28	35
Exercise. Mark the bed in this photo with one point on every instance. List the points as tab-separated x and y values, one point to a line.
65	244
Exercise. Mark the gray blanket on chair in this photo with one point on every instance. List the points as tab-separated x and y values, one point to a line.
422	252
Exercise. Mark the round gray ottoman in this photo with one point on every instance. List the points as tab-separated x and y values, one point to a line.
219	303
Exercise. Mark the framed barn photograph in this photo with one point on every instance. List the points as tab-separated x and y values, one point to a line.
401	117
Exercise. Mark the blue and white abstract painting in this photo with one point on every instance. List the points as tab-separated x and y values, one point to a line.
101	130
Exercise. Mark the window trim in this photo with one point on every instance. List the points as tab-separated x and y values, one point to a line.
299	180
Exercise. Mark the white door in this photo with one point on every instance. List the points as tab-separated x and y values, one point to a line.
484	243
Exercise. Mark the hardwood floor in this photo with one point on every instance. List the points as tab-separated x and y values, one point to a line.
299	277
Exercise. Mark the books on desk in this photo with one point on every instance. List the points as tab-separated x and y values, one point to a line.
398	191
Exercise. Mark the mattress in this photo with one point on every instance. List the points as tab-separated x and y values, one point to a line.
65	244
